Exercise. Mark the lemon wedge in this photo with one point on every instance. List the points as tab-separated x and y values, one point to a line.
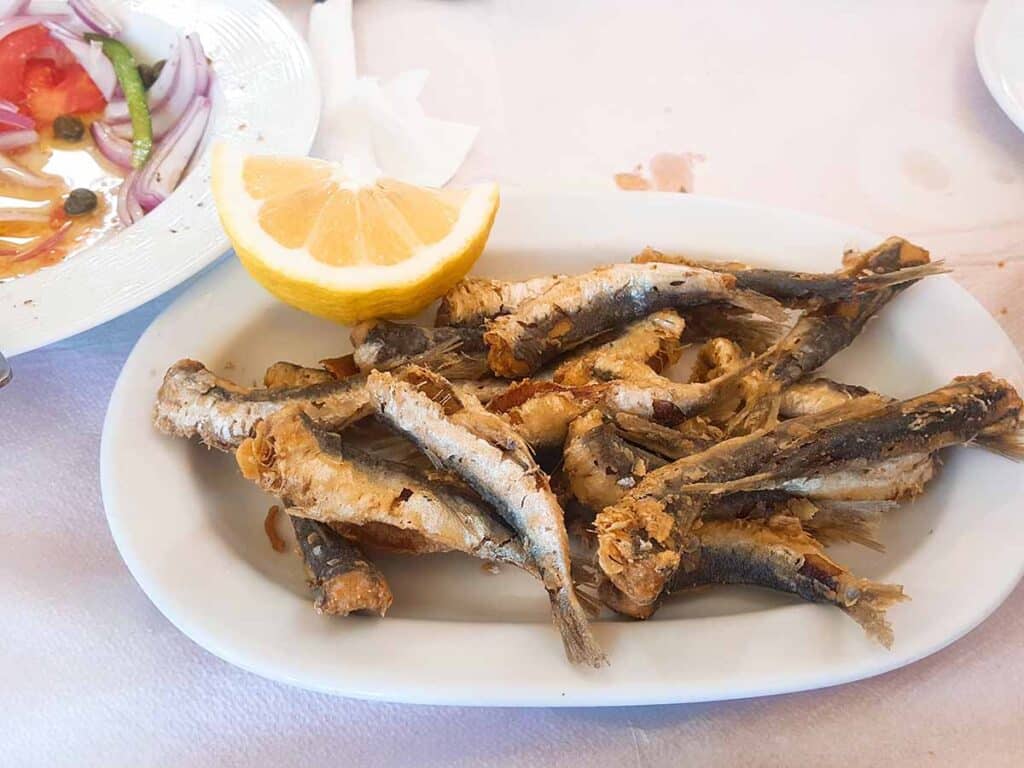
347	246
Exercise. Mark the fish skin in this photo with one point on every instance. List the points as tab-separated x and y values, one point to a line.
383	345
644	537
282	375
475	300
600	465
815	395
576	309
496	462
325	478
692	436
811	396
780	555
541	411
193	402
799	289
653	342
892	480
342	578
820	334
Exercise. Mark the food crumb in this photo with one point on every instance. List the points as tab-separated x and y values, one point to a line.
631	182
665	172
492	568
1004	311
242	126
28	302
1001	263
270	527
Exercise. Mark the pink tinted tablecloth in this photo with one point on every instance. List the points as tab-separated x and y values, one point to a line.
871	112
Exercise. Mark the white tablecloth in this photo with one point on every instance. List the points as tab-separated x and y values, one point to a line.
869	111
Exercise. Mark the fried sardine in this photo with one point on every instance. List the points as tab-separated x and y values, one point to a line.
481	448
326	479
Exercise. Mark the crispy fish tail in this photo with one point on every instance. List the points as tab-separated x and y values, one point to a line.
759	304
570	619
779	554
1009	445
848	521
874	282
869	610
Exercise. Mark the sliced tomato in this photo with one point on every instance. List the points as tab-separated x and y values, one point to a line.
40	75
15	52
55	93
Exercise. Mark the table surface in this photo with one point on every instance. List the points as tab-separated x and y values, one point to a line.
872	112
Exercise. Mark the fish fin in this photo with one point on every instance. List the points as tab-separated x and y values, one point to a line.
869	609
874	282
570	619
848	521
1009	445
590	602
444	358
756	334
759	304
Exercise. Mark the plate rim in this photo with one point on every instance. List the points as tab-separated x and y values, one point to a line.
869	664
994	12
208	251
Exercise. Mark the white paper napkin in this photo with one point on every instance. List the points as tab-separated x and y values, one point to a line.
373	126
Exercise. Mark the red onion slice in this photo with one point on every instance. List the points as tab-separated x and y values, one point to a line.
16	23
15	119
42	245
10	8
182	95
117	111
128	209
202	66
95	17
90	56
17	139
115	149
165	168
16	174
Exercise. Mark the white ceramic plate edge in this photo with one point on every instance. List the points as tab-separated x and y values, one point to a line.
585	688
993	16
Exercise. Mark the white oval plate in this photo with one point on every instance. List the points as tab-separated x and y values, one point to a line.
999	50
191	529
265	93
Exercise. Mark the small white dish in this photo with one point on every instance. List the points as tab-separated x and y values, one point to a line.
265	94
191	529
999	50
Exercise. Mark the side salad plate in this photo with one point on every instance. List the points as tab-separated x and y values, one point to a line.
100	213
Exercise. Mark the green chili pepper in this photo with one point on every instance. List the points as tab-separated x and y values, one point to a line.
127	71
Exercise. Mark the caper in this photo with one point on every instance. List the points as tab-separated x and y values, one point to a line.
150	73
80	201
68	128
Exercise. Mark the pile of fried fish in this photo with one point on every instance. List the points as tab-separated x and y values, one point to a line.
535	420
